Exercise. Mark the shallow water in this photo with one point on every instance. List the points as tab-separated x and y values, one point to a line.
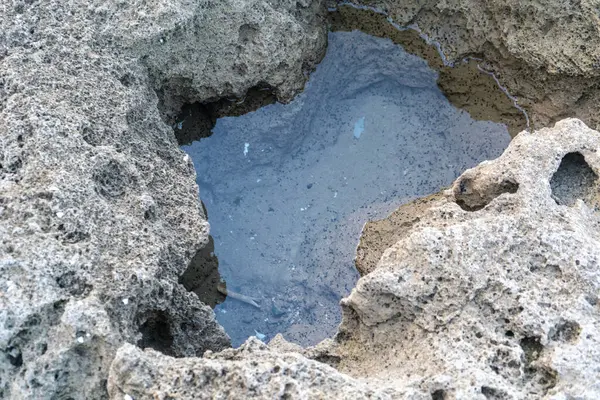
289	187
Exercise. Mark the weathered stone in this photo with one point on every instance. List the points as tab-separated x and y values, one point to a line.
252	371
99	210
493	292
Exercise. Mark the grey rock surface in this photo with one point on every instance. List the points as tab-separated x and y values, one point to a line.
253	371
99	211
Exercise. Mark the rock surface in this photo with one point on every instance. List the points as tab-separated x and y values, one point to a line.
252	371
545	52
99	211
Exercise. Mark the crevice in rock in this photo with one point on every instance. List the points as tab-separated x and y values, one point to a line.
574	180
193	121
156	333
202	275
472	198
439	394
539	375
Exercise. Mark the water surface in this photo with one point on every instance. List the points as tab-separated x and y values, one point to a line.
289	187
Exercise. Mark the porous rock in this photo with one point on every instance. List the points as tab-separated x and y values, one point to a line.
99	210
492	294
252	371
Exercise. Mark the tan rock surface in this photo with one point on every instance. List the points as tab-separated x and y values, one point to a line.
495	303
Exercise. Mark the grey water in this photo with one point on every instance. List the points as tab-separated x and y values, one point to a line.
288	188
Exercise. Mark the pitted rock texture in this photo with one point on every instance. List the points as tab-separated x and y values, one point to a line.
545	52
99	210
496	297
253	371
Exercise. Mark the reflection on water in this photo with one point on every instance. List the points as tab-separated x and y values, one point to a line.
289	187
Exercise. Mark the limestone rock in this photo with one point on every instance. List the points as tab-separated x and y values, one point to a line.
493	293
252	371
99	210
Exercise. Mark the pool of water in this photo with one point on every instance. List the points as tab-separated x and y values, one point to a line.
289	187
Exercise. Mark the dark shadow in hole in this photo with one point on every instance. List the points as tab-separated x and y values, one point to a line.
202	275
565	331
574	180
439	394
491	393
470	198
532	349
156	333
542	375
195	121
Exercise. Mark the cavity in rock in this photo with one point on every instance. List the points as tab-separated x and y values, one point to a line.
574	180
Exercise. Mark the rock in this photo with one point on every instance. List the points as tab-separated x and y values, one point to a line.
99	209
492	293
378	236
252	371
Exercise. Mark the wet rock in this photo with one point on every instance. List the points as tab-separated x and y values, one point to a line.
544	52
99	209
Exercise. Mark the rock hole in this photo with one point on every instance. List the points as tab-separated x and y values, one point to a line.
472	198
156	333
566	331
15	357
574	180
492	393
247	33
73	283
439	394
111	179
532	349
127	80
